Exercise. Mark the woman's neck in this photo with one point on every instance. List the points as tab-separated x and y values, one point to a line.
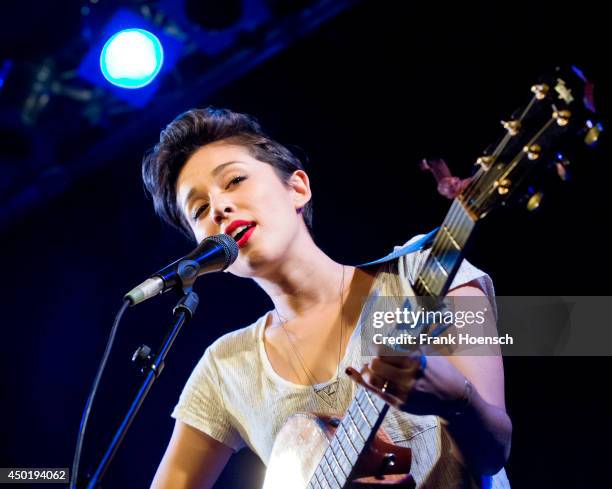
306	281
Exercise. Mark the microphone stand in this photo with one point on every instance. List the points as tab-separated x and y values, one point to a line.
183	312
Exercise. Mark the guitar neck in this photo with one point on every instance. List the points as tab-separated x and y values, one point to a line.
436	274
561	104
355	431
367	411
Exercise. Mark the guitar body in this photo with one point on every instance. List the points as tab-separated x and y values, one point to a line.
300	445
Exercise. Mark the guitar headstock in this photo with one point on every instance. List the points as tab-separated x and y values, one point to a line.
559	116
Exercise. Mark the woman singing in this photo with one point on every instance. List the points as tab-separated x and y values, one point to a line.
215	171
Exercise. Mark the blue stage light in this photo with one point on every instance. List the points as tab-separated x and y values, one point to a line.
131	58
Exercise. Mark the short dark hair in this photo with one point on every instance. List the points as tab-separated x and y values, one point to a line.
194	129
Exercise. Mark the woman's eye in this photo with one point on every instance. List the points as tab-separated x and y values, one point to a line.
235	180
199	211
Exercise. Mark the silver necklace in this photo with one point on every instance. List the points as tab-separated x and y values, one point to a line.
327	392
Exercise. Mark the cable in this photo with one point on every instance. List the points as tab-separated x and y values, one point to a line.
94	388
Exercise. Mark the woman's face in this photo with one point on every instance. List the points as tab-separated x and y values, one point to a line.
222	189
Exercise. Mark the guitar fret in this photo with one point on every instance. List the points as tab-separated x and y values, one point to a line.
370	413
368	396
335	465
451	237
365	403
344	435
343	465
350	416
333	476
348	441
421	281
325	471
356	440
470	214
358	420
467	225
363	415
312	482
440	266
318	476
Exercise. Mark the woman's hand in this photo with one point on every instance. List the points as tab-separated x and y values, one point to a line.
414	383
439	385
482	430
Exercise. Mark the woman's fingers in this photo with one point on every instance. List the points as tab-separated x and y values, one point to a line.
391	383
386	396
371	377
400	380
398	374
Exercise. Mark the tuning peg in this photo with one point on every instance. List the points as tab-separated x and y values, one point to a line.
502	186
540	90
593	130
533	151
563	91
485	162
530	199
534	199
562	117
513	126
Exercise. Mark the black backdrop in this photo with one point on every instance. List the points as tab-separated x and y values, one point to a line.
366	97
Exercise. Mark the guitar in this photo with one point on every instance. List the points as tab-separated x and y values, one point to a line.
320	452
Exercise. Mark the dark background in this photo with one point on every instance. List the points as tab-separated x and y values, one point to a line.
366	96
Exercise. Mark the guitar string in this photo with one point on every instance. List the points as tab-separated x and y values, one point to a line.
500	147
454	219
516	159
455	216
505	141
428	277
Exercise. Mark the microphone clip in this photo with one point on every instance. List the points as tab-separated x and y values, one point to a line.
188	270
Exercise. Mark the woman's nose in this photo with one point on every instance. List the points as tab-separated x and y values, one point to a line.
221	212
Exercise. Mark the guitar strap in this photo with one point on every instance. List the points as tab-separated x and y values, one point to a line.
409	248
421	243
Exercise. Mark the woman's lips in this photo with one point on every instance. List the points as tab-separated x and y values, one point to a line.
245	237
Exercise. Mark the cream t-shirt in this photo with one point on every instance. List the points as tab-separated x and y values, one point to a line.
235	396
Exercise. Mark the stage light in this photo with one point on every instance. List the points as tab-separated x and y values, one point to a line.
91	67
131	58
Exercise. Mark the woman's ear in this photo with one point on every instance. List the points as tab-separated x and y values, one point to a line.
300	184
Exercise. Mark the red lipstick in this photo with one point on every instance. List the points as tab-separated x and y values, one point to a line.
245	234
245	237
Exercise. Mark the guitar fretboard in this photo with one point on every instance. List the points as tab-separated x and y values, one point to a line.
355	431
437	273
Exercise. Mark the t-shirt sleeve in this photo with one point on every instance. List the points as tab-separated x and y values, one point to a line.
201	404
412	262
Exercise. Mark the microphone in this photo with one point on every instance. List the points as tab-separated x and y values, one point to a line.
213	254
